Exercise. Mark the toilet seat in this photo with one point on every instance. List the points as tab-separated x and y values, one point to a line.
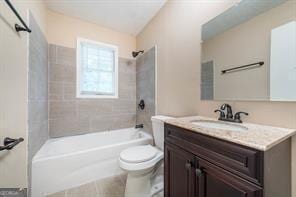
144	164
138	154
148	158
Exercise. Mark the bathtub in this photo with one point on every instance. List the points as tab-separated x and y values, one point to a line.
67	162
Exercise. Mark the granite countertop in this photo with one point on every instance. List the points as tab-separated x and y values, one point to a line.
260	137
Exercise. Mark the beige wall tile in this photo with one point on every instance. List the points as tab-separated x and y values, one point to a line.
37	93
101	123
52	54
94	107
68	126
127	78
55	91
123	121
60	109
38	111
38	134
127	65
146	88
124	106
66	56
66	112
127	92
69	90
62	73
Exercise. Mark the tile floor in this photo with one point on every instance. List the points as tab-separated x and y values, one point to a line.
108	187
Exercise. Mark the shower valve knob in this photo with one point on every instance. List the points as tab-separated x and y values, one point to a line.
141	104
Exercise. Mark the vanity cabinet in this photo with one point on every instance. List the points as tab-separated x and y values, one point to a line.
180	172
216	182
198	165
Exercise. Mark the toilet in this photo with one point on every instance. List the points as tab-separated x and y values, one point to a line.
140	162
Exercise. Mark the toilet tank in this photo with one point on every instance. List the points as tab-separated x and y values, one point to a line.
158	130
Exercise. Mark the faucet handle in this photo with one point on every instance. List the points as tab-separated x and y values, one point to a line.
224	106
222	114
237	117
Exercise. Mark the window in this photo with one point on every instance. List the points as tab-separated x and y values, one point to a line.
97	70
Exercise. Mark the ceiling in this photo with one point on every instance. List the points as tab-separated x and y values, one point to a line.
128	16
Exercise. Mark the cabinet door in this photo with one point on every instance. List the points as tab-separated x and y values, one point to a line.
217	182
179	172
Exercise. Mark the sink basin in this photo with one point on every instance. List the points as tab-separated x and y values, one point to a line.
219	125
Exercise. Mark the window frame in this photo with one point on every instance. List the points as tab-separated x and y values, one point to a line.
79	69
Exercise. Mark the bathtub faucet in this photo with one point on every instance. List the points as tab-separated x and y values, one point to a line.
138	126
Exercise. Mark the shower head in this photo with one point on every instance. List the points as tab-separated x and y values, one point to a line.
136	53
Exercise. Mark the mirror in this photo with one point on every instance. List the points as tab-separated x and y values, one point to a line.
249	52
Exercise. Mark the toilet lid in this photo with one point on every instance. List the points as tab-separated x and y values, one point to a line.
138	154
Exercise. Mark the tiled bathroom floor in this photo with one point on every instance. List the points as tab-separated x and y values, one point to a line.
109	187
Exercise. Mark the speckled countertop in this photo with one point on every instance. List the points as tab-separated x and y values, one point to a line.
260	137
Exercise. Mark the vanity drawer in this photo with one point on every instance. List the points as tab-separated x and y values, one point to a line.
240	160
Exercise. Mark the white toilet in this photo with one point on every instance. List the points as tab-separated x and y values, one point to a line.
140	162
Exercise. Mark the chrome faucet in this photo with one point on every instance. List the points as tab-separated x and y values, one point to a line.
229	116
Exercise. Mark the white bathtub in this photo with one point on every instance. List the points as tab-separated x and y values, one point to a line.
67	162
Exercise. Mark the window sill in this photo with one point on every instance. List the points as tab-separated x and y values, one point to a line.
97	96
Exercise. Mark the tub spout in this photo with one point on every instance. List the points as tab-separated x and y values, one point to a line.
138	126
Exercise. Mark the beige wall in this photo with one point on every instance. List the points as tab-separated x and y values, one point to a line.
38	10
246	43
14	90
64	30
176	31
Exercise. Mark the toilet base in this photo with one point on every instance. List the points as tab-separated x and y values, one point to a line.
138	185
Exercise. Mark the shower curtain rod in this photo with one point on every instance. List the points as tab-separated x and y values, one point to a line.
17	27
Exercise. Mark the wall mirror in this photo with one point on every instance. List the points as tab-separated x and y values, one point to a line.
249	52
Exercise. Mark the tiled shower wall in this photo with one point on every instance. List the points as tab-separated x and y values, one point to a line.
37	95
146	87
69	115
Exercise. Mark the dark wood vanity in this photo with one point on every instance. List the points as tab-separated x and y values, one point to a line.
197	165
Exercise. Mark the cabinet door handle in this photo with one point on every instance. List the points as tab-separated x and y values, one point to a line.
198	172
188	165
